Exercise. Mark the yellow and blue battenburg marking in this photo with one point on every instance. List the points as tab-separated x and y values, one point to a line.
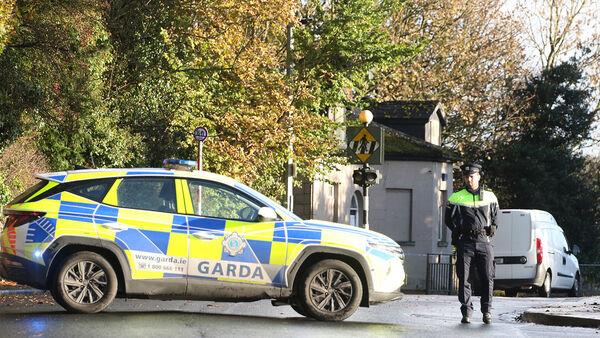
169	245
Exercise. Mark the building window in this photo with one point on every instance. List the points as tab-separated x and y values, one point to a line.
398	211
356	209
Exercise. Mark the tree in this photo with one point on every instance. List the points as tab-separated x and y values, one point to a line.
7	9
471	62
221	64
558	29
540	167
52	83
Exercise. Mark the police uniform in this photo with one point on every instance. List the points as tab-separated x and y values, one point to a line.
471	216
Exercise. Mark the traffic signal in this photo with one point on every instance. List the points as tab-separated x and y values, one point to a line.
371	176
365	176
358	176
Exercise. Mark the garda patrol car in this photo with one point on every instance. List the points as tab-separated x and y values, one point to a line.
92	235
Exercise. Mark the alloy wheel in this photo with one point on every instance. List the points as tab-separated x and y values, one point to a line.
331	290
85	282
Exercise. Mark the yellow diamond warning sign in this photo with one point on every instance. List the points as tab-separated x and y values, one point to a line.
365	144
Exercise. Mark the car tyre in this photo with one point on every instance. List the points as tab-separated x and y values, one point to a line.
84	283
576	289
330	290
545	290
299	309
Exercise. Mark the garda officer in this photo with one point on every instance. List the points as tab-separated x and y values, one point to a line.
471	215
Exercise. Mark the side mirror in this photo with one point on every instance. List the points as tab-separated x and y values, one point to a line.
576	250
266	214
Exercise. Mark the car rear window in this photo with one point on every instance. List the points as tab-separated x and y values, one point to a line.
91	189
94	189
27	193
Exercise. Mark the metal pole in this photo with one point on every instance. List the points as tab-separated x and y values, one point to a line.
200	155
365	200
288	72
201	149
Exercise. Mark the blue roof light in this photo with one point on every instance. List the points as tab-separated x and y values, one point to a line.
177	164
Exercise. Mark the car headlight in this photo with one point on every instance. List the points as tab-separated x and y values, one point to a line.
389	247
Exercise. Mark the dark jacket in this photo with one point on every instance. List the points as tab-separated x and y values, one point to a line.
471	218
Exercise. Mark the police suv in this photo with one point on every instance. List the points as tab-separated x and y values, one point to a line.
92	235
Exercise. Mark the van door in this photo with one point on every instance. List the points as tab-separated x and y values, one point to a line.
552	252
502	243
522	246
566	269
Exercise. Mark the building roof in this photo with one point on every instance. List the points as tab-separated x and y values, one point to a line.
417	111
403	147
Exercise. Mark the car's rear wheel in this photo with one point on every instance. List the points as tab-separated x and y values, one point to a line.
545	289
576	289
330	290
85	283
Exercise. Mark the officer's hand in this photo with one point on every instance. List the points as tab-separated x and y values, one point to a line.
491	230
454	249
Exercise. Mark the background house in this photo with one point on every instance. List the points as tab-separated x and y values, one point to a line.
408	203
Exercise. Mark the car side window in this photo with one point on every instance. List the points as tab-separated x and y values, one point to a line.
215	200
94	189
148	193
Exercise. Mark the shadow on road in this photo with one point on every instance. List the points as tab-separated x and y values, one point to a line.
169	322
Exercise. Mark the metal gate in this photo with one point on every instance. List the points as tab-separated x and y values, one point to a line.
441	275
590	279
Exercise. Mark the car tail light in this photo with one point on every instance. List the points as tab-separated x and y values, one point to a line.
538	250
17	218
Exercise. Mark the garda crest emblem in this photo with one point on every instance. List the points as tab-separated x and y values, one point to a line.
234	244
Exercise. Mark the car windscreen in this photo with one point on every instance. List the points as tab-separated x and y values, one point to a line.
264	199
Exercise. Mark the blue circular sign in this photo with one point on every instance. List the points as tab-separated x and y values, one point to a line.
200	134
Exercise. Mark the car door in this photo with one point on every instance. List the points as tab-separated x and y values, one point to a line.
140	216
229	245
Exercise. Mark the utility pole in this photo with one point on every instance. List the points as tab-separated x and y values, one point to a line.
290	164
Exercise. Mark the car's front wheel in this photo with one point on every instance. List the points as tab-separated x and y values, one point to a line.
330	290
85	283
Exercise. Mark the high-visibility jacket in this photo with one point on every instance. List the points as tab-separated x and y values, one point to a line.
472	215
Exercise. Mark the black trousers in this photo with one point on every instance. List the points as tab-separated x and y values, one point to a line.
481	254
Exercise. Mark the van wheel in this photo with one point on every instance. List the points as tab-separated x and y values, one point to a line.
546	289
330	290
511	292
576	289
85	283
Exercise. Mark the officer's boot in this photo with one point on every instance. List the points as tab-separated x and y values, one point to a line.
487	318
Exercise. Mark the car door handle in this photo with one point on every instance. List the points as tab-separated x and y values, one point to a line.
551	252
203	235
115	226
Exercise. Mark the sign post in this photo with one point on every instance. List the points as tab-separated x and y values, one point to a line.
365	146
200	134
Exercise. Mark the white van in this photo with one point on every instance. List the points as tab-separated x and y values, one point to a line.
531	253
